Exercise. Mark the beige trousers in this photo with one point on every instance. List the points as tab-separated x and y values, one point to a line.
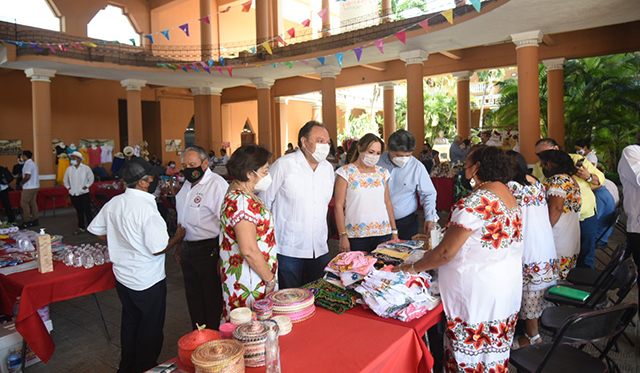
28	200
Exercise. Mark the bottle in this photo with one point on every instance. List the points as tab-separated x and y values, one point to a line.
16	306
435	235
272	352
14	363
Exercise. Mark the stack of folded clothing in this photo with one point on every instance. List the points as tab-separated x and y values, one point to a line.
346	270
332	297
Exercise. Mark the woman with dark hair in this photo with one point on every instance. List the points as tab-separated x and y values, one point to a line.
565	201
539	259
480	261
360	194
429	157
248	252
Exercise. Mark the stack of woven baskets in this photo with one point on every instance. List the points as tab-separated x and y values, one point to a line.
253	335
221	356
284	324
295	303
263	309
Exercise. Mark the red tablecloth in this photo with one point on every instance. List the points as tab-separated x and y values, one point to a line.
444	187
37	290
45	198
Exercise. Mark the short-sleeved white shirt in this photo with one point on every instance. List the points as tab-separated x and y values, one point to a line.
31	168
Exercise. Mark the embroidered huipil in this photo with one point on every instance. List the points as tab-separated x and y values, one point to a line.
539	260
481	286
241	285
566	232
365	212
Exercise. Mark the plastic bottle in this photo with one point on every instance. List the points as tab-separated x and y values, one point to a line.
272	352
14	362
16	306
436	233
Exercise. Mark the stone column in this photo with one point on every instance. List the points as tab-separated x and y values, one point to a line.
326	24
386	11
262	20
264	111
277	23
282	126
208	117
528	92
316	112
134	110
329	116
389	109
206	36
42	131
464	104
555	98
415	100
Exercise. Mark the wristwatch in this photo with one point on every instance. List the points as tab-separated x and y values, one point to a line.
394	231
272	282
589	179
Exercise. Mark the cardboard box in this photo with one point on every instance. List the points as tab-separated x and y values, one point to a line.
11	339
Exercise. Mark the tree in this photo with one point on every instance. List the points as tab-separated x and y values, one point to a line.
489	78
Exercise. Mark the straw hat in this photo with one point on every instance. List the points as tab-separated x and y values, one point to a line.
128	151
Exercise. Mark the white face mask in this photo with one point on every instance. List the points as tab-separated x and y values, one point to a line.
264	183
401	161
321	153
370	159
73	162
580	152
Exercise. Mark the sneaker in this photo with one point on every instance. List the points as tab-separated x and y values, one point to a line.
79	231
34	223
24	225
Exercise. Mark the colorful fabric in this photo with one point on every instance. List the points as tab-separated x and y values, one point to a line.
365	215
94	156
481	286
352	261
241	285
332	297
566	231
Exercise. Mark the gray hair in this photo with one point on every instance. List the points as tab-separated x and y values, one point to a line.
134	184
457	137
195	148
402	141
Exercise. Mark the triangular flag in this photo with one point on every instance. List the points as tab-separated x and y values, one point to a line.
166	34
476	4
218	69
78	46
195	67
258	66
62	47
292	32
150	37
185	28
171	67
339	57
10	42
52	48
281	40
358	52
116	42
133	41
246	6
163	65
230	70
306	22
425	25
306	62
184	67
275	65
102	42
203	64
288	64
448	14
89	44
253	50
321	59
380	44
205	67
21	44
226	10
36	47
323	14
211	63
205	20
222	61
401	36
267	47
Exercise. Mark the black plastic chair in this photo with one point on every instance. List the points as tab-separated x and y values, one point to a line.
595	277
580	329
613	220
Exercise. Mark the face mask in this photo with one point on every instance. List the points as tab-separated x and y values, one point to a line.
547	173
153	185
172	165
193	174
73	162
370	160
580	152
20	162
264	183
181	179
321	153
401	161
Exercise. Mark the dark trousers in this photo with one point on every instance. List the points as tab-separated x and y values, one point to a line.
633	243
367	244
588	237
82	204
407	226
295	272
6	203
202	286
141	334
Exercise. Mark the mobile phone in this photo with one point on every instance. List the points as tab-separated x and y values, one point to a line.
580	162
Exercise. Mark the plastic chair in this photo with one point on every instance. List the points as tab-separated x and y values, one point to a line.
580	329
595	277
611	222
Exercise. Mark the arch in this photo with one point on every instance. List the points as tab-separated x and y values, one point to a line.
113	23
35	13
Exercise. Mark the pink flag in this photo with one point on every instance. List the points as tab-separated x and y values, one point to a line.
281	40
52	49
205	20
379	44
306	62
323	14
62	47
77	46
226	10
425	25
401	36
230	70
246	6
292	32
218	69
185	28
306	22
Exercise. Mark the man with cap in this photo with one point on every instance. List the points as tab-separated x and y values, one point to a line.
137	238
77	179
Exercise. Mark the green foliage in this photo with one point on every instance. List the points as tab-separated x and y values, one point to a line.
360	126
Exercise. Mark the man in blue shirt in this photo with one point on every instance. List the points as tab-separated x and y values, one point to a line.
409	179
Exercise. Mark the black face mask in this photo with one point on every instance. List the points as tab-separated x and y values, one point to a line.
466	183
193	174
547	173
153	185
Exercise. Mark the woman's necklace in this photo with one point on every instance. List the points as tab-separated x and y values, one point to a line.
480	185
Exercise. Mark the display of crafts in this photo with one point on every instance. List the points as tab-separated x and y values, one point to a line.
295	303
85	255
18	247
444	169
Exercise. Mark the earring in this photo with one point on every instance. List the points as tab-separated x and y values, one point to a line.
472	182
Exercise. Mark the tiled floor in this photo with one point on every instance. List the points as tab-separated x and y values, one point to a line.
81	344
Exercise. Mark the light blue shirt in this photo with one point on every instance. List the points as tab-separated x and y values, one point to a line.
405	182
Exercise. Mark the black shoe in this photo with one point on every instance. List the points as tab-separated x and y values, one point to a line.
34	223
24	225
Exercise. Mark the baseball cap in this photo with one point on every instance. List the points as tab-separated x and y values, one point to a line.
78	154
137	168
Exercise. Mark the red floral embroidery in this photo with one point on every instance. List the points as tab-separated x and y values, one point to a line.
478	369
488	208
236	301
231	207
262	227
237	286
254	206
517	226
495	235
500	368
226	245
236	260
267	256
502	331
228	229
451	366
477	337
270	240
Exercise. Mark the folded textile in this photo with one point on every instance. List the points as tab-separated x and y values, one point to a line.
351	261
332	297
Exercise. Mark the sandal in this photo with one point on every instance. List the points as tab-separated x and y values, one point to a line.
534	340
79	231
515	344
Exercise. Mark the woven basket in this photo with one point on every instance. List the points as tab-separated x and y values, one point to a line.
223	355
295	303
253	335
190	342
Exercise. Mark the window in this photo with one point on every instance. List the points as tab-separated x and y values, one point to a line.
34	13
111	24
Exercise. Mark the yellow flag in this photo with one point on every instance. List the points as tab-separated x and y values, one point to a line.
448	14
267	47
89	44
